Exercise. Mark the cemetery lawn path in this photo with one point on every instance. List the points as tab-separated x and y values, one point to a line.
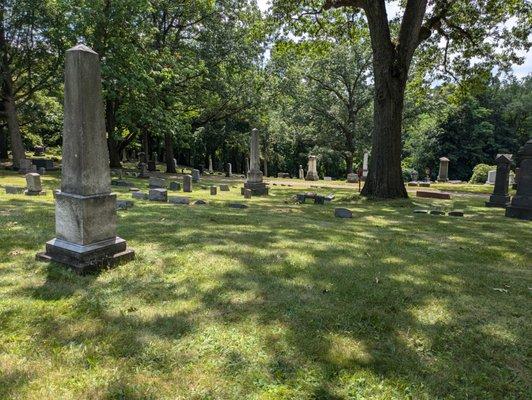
277	301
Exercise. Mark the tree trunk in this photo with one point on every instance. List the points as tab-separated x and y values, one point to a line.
17	146
349	162
385	178
3	144
115	161
110	126
169	153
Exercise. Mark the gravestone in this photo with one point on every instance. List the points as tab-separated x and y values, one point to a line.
33	184
211	170
44	163
415	176
352	178
38	150
155	183
41	171
516	179
195	175
187	183
152	166
85	217
500	196
175	186
254	181
14	189
178	200
433	195
25	166
491	177
312	172
365	165
343	213
283	175
139	195
327	178
521	205
143	167
224	188
214	190
443	175
228	170
301	172
158	194
247	193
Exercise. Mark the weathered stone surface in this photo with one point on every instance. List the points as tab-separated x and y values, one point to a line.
247	193
25	166
224	188
237	205
433	195
283	175
44	163
214	190
196	175
343	213
14	189
521	204
424	184
85	215
158	195
139	195
500	197
143	168
211	170
312	172
456	213
352	178
157	183
419	211
200	202
443	175
228	170
178	200
413	184
257	189
327	178
33	184
124	204
152	166
175	186
187	183
301	172
365	165
437	212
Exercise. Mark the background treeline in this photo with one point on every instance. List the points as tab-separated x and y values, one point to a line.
188	80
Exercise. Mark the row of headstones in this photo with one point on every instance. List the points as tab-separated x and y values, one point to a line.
33	186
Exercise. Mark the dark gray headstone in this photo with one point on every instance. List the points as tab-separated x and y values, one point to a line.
521	205
343	213
158	195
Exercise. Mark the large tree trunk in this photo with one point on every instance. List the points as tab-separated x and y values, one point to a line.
349	162
115	160
169	153
110	124
3	144
385	179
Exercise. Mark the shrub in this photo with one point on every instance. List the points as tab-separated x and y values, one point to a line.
480	173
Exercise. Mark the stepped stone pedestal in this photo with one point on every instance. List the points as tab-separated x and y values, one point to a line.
254	181
312	172
85	217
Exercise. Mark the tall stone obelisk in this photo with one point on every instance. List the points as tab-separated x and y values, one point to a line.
85	211
254	181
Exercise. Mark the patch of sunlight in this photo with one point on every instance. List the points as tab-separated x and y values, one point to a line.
392	260
380	222
431	312
345	351
499	332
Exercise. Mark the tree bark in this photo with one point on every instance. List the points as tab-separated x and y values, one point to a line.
112	144
349	162
3	143
169	153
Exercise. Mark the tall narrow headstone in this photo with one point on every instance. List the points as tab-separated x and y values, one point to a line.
365	164
187	183
255	182
196	175
228	170
85	216
521	205
211	170
443	175
301	172
500	197
312	172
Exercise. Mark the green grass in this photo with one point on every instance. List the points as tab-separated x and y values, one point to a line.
278	301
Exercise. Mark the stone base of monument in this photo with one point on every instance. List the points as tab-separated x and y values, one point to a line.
498	201
311	176
34	193
85	259
524	213
257	188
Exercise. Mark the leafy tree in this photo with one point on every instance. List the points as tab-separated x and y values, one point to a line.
466	28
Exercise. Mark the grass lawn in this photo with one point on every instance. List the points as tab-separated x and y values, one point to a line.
277	301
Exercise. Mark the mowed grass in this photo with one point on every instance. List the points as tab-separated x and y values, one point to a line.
277	301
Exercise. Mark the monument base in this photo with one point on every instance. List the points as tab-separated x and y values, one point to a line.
32	193
257	188
312	176
84	259
498	201
519	212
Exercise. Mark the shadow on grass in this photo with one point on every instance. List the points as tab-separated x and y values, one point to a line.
408	299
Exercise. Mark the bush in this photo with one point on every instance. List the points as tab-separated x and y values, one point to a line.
480	173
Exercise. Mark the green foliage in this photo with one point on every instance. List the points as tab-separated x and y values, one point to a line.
480	173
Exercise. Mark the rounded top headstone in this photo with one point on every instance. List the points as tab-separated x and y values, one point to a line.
444	159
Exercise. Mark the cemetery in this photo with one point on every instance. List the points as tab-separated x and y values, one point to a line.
211	211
